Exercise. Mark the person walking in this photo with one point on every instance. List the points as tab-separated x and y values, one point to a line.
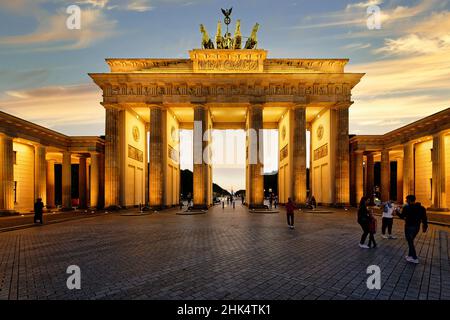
364	221
271	200
387	220
290	207
38	211
372	230
414	215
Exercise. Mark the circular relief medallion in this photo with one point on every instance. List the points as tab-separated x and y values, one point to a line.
283	132
320	130
136	134
174	134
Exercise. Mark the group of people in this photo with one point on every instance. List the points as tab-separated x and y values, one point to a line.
412	212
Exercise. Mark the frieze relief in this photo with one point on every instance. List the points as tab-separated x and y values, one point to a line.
274	89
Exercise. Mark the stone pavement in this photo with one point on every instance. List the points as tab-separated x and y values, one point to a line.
224	254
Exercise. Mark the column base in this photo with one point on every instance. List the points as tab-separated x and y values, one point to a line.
258	206
439	209
199	207
114	208
8	213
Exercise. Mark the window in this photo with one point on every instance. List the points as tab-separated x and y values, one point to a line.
15	157
15	192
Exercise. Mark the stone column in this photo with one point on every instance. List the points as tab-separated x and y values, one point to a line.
385	175
255	194
342	157
438	172
400	196
95	181
359	176
67	181
408	169
146	159
51	183
40	174
370	175
298	147
82	182
113	154
6	174
201	165
157	157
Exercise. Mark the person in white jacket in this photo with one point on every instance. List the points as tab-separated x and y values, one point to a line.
387	220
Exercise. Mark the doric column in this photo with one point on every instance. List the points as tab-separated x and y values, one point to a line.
95	181
146	159
369	175
341	157
438	172
6	174
40	174
201	158
298	147
113	155
359	176
157	156
408	169
400	180
82	182
385	175
51	183
67	181
255	194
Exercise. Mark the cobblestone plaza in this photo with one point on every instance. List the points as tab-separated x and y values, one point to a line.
224	254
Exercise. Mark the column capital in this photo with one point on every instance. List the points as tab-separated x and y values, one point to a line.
343	105
5	136
158	106
112	106
203	106
255	105
439	134
296	106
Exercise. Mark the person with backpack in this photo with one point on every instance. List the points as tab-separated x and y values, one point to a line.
414	215
387	220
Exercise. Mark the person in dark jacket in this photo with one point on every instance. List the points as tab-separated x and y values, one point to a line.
414	214
290	207
364	221
38	211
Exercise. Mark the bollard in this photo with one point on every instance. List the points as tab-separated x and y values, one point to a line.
234	205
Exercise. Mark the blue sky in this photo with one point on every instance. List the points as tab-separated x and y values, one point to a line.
43	74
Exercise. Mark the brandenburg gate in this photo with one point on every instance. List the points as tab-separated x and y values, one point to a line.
147	102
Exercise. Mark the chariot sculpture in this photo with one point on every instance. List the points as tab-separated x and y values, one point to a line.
226	40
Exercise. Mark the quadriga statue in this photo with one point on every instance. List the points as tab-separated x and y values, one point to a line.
206	40
252	42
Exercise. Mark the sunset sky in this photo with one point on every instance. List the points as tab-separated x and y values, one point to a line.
44	66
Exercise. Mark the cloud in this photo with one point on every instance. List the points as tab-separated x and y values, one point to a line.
366	4
357	46
52	33
376	116
63	107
